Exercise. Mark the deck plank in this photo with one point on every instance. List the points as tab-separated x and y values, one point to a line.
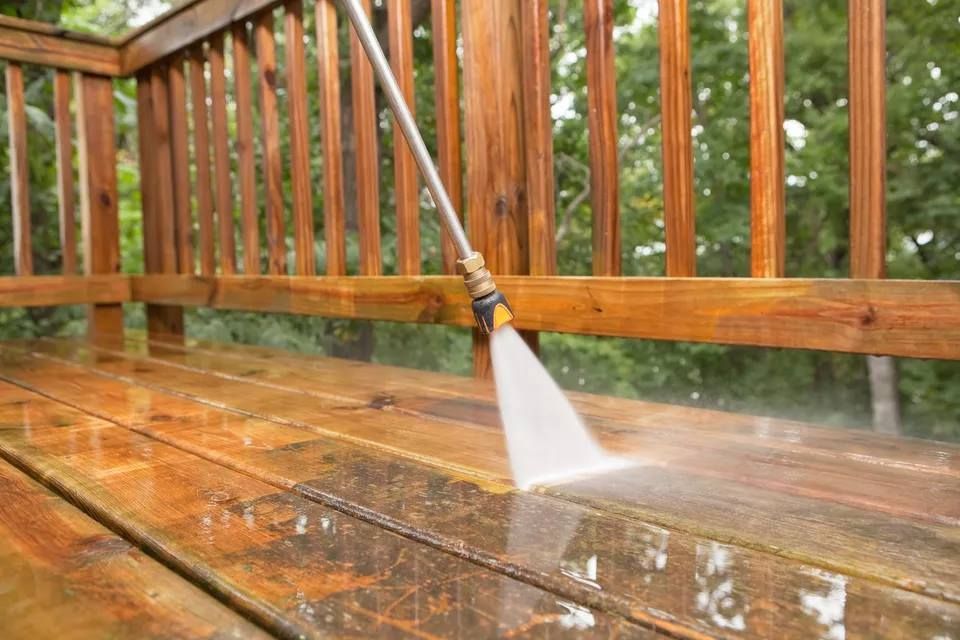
644	570
65	575
296	567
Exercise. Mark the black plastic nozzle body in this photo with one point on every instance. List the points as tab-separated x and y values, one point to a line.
491	312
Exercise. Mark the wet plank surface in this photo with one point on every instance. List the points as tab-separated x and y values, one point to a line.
802	532
64	575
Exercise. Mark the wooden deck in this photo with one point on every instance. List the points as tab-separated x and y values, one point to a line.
206	490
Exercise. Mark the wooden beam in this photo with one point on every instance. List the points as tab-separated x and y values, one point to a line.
919	319
221	148
19	170
180	162
538	134
52	291
406	188
767	195
270	129
675	107
365	128
184	27
201	155
246	161
868	135
328	91
50	46
99	200
63	123
299	131
602	122
449	161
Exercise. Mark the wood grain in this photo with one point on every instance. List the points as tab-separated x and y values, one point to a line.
270	129
449	150
180	160
868	134
63	129
328	92
767	195
48	291
299	132
365	127
675	109
258	547
538	137
182	27
159	250
406	192
896	317
602	124
19	170
99	199
496	158
66	575
246	161
147	161
810	529
51	46
436	506
221	152
201	155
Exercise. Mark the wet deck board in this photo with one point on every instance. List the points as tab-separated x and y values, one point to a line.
62	574
298	568
739	508
653	551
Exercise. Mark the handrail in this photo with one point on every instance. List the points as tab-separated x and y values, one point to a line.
48	45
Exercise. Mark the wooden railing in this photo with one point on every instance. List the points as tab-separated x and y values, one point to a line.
509	196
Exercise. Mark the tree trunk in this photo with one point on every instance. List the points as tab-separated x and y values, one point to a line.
884	394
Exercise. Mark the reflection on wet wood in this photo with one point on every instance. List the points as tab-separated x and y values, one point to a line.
296	567
64	575
684	583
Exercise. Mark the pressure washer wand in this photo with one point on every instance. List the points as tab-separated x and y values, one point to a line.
490	307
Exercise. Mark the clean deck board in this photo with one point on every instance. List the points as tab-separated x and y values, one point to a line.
731	535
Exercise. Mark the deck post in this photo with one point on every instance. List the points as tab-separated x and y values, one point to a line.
98	194
497	203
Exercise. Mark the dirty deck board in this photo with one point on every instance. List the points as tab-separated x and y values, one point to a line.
858	535
645	570
296	567
62	574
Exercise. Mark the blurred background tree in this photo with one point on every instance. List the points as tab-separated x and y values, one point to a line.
923	138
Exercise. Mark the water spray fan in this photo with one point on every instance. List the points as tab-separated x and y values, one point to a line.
490	308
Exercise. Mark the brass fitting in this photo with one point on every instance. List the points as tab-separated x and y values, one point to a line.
476	277
490	308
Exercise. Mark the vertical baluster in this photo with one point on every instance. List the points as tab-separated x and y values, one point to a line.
201	152
270	128
496	157
180	159
65	193
328	71
675	107
221	155
246	163
538	132
767	196
299	140
19	171
867	49
400	32
368	171
602	122
99	211
448	114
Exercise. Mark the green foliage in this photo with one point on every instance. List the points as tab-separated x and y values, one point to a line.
923	202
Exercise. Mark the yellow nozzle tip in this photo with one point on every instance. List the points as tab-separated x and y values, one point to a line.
501	316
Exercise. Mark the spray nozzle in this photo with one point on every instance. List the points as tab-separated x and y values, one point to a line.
490	308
